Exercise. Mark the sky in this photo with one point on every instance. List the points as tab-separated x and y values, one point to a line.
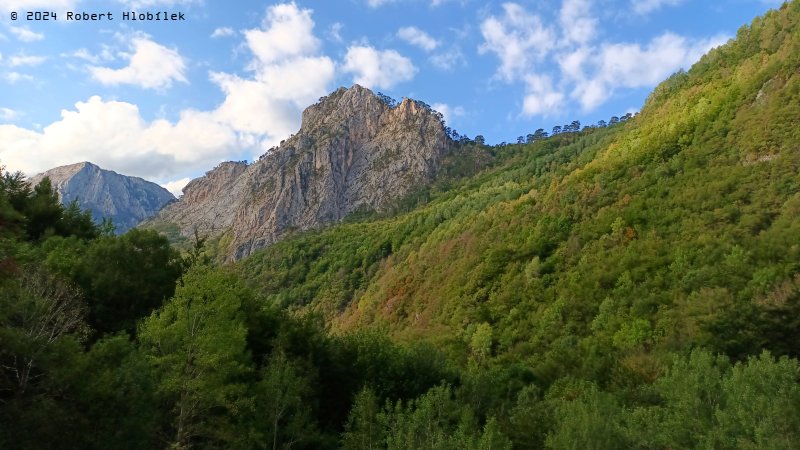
169	100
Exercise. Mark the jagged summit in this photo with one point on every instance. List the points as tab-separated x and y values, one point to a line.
126	200
354	150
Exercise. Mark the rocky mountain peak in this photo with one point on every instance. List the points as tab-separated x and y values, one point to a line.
107	194
355	150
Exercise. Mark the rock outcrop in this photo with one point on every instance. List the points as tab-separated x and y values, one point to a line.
126	200
354	151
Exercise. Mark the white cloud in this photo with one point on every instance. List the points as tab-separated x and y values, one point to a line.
377	68
287	33
25	60
377	3
541	98
222	32
631	65
30	5
15	77
176	187
448	112
84	54
288	75
517	38
24	34
648	6
585	71
578	24
151	66
448	59
335	32
150	3
8	114
417	37
115	136
257	112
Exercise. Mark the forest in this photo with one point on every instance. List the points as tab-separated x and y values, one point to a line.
635	285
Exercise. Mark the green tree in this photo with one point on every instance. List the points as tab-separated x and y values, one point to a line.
43	211
282	405
197	344
126	277
363	431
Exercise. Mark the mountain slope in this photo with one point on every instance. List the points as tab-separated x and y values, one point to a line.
126	200
595	253
353	152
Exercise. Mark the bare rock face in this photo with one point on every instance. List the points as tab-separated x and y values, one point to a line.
126	200
353	151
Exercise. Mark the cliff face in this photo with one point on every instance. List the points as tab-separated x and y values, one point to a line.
126	200
352	151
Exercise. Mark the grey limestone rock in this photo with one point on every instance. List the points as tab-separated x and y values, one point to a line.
352	152
126	200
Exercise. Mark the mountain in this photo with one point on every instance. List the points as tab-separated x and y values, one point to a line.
597	253
609	287
355	151
126	200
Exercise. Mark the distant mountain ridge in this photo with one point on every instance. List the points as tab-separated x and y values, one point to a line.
354	151
126	200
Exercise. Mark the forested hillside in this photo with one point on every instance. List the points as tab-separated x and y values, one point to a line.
625	286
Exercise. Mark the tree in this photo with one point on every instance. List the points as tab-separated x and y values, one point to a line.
197	344
480	140
37	314
556	130
126	277
602	123
282	402
540	134
520	140
363	431
43	211
589	422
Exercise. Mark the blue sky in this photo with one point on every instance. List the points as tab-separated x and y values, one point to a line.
167	101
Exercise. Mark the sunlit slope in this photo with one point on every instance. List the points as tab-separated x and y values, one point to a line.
625	241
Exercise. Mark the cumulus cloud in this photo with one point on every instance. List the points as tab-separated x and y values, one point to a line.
288	74
222	32
150	3
30	5
377	3
150	66
176	187
449	59
8	114
287	32
258	111
84	54
335	32
585	70
518	38
381	69
16	77
418	38
626	65
578	24
25	34
114	135
648	6
448	112
541	98
25	60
